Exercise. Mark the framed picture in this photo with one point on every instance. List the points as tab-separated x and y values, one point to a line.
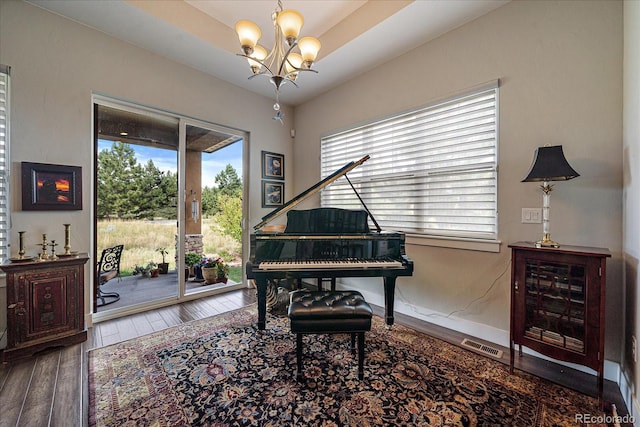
272	165
272	194
51	187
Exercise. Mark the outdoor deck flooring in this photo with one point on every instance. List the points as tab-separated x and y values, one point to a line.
135	290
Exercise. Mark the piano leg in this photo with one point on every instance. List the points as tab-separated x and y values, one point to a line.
389	294
261	290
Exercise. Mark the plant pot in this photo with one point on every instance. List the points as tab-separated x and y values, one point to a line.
163	267
222	280
209	274
155	272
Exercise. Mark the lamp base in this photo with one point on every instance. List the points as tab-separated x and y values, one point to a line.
546	242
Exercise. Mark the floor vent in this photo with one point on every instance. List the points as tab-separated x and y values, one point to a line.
485	349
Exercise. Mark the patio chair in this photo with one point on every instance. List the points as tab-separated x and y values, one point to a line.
108	268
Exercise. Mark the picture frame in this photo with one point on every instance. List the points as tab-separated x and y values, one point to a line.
272	194
272	166
47	187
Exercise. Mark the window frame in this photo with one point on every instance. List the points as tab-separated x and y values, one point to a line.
481	241
5	164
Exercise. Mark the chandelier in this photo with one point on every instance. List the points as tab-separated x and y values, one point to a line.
282	64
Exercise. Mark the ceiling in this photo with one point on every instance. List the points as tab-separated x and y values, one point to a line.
116	124
200	33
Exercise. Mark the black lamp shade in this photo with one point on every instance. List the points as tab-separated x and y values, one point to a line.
550	164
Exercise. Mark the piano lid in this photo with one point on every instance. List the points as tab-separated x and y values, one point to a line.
314	189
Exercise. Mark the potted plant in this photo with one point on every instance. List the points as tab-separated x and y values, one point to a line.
149	270
214	270
191	259
163	266
222	271
209	267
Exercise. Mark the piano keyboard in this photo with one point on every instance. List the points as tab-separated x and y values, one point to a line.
321	264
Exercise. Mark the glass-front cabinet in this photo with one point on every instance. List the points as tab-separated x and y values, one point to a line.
554	303
557	303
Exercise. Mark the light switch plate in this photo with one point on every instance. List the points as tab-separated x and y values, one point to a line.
531	215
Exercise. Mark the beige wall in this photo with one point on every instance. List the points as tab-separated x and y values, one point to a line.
57	65
560	67
631	196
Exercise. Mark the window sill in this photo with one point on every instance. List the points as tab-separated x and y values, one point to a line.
454	243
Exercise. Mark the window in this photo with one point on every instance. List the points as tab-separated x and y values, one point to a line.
432	171
4	162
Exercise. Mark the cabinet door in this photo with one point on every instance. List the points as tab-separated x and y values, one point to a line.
555	303
558	305
50	303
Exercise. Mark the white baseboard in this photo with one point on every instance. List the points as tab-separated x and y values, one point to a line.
630	398
486	333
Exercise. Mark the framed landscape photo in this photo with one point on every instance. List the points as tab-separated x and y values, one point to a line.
272	194
272	165
48	187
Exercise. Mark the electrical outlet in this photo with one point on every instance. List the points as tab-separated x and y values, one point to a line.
634	349
531	215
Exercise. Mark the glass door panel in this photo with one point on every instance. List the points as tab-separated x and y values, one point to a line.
213	208
136	205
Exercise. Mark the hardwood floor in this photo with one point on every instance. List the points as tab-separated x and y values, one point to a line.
51	388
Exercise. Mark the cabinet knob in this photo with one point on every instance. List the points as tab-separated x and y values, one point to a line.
515	286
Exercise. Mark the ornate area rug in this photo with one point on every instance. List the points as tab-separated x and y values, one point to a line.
222	371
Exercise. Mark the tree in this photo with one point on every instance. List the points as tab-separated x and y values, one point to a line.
118	168
209	198
127	189
149	185
228	183
229	217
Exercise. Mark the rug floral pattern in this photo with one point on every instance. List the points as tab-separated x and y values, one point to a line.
222	371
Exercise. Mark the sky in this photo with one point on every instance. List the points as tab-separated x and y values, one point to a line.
167	160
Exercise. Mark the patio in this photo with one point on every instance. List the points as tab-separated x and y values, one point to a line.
136	289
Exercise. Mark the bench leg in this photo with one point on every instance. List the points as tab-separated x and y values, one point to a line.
299	356
360	355
353	343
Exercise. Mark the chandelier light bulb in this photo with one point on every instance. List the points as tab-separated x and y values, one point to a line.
248	34
290	22
294	62
256	58
309	47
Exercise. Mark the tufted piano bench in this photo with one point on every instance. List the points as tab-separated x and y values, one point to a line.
330	312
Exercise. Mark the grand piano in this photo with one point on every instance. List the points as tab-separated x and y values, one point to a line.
326	243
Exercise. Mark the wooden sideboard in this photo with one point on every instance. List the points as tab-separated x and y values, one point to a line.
45	305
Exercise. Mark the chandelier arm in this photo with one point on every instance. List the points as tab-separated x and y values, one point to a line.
285	58
287	79
259	62
295	70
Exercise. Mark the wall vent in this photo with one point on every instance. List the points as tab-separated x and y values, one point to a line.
484	349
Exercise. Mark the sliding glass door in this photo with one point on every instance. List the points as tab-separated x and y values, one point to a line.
168	193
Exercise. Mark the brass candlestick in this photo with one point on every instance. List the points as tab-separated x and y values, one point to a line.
53	255
43	255
67	244
21	240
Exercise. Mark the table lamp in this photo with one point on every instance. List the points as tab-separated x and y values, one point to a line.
549	164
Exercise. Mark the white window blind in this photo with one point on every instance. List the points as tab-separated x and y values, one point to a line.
4	162
432	171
